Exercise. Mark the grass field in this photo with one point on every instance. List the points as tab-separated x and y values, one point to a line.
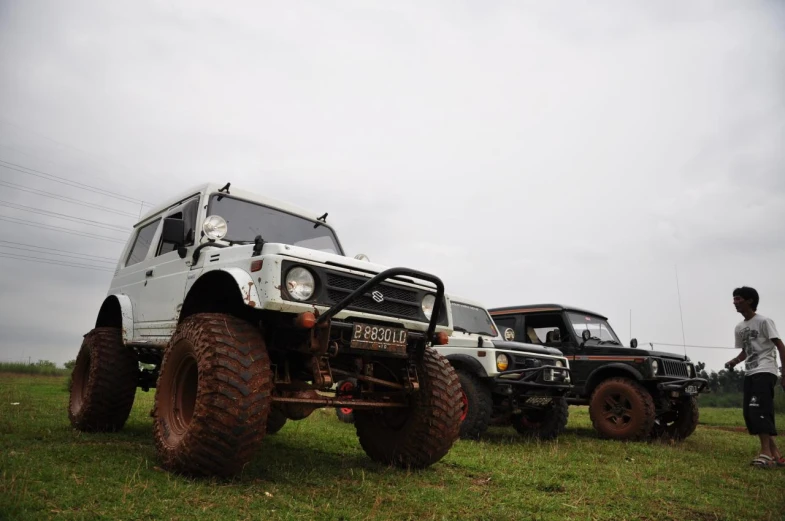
315	469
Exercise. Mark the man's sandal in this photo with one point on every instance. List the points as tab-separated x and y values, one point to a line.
763	461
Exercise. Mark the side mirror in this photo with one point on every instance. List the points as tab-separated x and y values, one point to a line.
586	335
509	334
556	335
634	343
174	233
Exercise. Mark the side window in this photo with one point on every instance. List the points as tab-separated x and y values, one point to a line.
504	323
187	212
142	243
540	329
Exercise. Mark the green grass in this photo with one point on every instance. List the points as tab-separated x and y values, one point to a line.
315	469
45	369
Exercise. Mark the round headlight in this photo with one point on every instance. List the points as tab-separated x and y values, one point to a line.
502	362
427	305
654	366
214	227
300	283
558	363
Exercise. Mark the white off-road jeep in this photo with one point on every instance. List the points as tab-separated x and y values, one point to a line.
242	311
505	382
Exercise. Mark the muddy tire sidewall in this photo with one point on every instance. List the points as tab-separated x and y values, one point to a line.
477	406
637	420
545	424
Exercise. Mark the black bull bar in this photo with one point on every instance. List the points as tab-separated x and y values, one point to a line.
527	378
376	281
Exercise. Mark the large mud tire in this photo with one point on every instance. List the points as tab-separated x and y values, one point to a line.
103	382
476	406
275	421
213	396
543	424
679	423
622	409
420	435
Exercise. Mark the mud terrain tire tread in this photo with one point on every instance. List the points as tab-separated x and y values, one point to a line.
103	384
480	405
642	403
232	401
432	424
550	426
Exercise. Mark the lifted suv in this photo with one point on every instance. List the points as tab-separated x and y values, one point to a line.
242	311
505	382
632	394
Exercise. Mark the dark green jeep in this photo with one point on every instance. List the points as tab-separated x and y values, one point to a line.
632	394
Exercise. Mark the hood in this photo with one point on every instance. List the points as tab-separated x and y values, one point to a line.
637	351
526	348
333	259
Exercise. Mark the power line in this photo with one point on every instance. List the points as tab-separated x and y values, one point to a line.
52	251
58	228
688	345
102	158
73	218
66	199
63	180
58	263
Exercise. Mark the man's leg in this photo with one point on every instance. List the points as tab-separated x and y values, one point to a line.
775	453
765	445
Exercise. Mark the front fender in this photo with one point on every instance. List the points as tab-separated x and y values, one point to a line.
471	363
246	286
596	375
109	316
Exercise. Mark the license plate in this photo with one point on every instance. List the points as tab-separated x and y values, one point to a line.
379	338
691	389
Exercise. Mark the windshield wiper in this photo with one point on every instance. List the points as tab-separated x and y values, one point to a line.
610	342
461	329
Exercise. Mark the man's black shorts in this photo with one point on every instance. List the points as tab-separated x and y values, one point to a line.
759	403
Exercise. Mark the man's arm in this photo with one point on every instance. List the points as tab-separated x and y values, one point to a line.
781	349
741	357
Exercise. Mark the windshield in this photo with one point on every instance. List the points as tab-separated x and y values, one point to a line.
471	319
246	220
598	327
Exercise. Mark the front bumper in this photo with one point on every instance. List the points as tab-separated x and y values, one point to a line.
531	381
683	387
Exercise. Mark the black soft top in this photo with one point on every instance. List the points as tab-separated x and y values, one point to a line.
535	308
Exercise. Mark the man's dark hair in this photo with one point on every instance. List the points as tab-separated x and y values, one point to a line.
748	293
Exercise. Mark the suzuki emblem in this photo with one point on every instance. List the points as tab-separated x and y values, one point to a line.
377	296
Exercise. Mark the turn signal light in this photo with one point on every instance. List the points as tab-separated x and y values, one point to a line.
441	338
256	265
305	320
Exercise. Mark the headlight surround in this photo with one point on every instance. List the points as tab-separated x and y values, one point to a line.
428	302
502	362
655	366
300	283
215	227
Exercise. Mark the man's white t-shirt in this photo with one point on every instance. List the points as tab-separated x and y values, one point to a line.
754	336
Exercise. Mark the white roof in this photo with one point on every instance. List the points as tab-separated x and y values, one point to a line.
208	188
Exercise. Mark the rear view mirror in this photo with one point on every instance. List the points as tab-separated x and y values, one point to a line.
556	335
634	343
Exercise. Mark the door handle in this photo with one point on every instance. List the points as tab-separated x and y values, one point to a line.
148	273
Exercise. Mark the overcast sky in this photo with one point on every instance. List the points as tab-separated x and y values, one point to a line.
523	151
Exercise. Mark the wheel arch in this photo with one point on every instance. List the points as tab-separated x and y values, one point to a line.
227	290
467	363
609	371
117	311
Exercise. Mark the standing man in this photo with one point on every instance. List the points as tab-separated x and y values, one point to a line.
757	336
